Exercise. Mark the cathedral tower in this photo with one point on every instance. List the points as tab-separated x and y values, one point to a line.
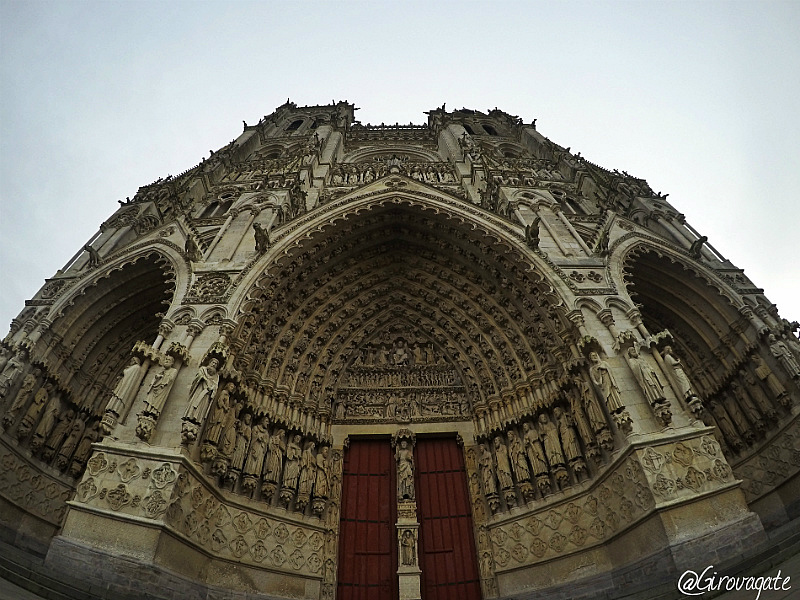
337	360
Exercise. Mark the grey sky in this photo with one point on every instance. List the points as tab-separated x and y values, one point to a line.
699	98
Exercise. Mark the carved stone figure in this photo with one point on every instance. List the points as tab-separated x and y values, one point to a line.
308	475
243	434
516	452
569	440
648	379
766	375
534	447
602	377
56	437
291	469
405	471
486	467
94	257
22	397
160	387
258	448
220	415
684	390
35	410
781	351
262	238
202	390
192	249
122	395
552	445
274	462
71	442
757	393
321	487
532	234
747	405
46	425
503	464
408	548
696	248
725	424
11	371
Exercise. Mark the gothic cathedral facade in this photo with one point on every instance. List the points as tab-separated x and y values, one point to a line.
337	360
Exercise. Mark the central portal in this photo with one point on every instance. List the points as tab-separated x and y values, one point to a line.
369	540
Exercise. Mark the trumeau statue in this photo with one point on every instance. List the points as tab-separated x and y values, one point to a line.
405	471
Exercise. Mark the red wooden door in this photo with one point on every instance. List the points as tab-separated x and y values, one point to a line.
447	545
367	538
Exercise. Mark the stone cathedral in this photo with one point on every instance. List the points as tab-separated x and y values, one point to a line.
450	360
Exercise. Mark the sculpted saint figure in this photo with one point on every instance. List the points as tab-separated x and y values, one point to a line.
782	352
91	435
647	377
766	375
486	466
71	443
160	386
34	410
58	434
219	416
321	487
46	425
274	461
407	545
552	446
534	447
202	391
243	433
124	389
291	471
724	423
10	373
503	464
258	447
405	471
308	471
602	377
684	385
758	394
516	452
568	438
22	397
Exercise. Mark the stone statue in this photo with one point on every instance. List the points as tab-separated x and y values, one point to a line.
576	406
202	390
765	374
46	425
94	257
84	448
11	371
502	463
262	238
308	475
602	377
725	425
684	385
192	249
646	377
405	471
486	467
274	461
757	393
258	448
56	437
243	434
291	470
160	386
321	487
552	445
35	410
569	440
123	393
532	234
534	447
781	351
516	452
22	397
219	418
696	248
408	548
71	442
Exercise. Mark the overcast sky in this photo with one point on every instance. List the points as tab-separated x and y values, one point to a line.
702	99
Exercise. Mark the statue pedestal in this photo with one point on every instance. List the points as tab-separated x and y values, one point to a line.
409	582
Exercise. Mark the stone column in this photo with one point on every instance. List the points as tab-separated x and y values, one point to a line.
408	572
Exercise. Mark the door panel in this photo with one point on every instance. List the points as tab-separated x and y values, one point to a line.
367	546
447	544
